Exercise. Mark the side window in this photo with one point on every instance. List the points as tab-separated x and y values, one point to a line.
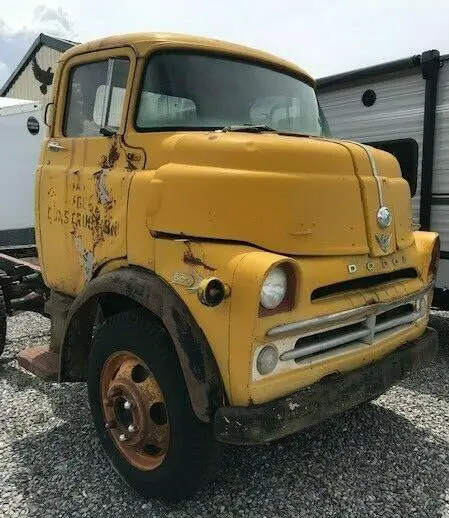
95	97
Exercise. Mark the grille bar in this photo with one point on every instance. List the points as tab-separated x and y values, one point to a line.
324	345
398	321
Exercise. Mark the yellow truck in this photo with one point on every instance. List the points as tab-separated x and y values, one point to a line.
214	264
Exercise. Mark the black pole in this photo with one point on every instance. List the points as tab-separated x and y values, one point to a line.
430	66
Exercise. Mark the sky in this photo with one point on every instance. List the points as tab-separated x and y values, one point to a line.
324	37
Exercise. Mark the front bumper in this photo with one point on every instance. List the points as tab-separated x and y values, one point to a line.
333	395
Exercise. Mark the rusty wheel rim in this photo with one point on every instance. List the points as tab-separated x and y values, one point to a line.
134	410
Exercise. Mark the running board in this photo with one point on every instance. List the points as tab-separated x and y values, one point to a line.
40	361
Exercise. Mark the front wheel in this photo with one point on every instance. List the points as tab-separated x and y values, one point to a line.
142	411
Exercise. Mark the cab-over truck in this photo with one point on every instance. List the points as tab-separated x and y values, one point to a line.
214	264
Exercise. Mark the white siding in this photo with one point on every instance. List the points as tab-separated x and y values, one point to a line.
26	86
397	113
440	213
441	149
440	224
19	150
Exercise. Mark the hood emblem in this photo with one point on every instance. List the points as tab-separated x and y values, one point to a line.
384	217
384	241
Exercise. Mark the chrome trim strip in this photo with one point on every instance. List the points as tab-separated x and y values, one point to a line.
371	161
375	173
395	322
330	343
335	318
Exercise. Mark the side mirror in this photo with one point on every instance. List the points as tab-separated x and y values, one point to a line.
48	114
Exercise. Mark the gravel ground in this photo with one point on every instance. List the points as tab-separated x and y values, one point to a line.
389	459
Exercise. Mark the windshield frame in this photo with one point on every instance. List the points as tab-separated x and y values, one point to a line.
223	55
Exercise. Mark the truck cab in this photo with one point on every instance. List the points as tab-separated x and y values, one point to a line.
220	268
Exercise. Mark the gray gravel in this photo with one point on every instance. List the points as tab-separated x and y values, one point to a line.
389	459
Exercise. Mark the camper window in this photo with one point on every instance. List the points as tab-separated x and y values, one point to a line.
406	152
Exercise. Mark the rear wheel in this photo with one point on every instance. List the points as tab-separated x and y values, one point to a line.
2	321
142	411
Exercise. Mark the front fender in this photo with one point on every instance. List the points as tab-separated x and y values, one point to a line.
198	364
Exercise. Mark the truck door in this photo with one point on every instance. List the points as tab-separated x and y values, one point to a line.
84	175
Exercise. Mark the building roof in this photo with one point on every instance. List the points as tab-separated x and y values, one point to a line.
142	42
8	101
58	44
9	106
391	67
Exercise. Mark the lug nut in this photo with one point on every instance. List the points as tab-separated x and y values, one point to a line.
131	428
109	425
127	405
122	437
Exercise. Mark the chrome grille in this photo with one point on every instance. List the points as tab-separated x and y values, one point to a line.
362	325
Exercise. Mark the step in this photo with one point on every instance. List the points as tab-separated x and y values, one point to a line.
40	361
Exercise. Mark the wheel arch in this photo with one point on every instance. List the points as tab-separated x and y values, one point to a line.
137	287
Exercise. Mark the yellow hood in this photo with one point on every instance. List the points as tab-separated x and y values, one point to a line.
288	194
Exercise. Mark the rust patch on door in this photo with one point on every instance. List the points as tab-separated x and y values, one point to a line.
102	191
101	228
108	161
86	257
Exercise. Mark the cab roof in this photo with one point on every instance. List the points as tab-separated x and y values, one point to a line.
146	41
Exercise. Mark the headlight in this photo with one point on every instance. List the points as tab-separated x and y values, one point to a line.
274	288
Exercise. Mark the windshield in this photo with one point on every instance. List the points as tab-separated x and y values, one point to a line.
204	91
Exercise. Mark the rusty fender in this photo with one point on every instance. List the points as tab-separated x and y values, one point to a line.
200	370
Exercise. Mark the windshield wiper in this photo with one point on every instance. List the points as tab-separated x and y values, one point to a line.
250	128
261	128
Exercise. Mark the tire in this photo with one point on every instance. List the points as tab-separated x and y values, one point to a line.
192	452
2	322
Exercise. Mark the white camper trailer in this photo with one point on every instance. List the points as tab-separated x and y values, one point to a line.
21	134
402	107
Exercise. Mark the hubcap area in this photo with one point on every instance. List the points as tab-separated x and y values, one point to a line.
134	410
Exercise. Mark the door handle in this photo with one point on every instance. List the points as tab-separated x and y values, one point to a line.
55	146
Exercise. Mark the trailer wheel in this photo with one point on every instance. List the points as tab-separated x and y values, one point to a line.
2	321
142	411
